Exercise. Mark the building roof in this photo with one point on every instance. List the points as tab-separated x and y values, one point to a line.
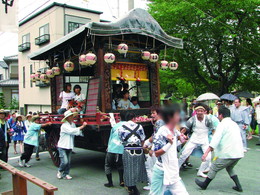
3	65
27	19
9	83
11	58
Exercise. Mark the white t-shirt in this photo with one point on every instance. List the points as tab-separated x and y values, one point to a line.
65	97
200	132
124	104
79	98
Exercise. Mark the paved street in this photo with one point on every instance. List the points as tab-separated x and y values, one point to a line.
88	175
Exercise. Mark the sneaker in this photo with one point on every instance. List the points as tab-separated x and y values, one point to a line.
245	150
147	188
37	158
189	164
27	165
201	175
21	162
68	177
59	175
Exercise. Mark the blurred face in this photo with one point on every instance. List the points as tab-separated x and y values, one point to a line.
126	96
154	115
237	103
14	115
220	117
77	90
69	88
70	118
2	116
175	119
200	112
19	119
37	121
134	102
29	118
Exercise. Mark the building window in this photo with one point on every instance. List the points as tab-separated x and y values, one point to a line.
73	26
44	30
30	74
26	38
15	94
26	45
24	77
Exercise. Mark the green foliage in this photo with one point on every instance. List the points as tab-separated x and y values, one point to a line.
14	105
2	101
221	49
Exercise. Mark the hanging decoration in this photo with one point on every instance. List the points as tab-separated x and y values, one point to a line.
82	60
109	58
90	59
173	65
164	65
122	48
43	77
69	66
32	76
50	73
138	81
47	81
154	57
146	55
56	71
37	75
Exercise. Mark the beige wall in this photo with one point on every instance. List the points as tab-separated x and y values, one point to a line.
34	97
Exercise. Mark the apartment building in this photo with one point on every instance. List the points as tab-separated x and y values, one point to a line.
37	30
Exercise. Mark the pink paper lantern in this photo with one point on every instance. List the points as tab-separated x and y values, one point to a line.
146	55
82	60
43	77
69	66
50	73
32	76
91	58
164	65
154	57
56	71
37	75
122	48
173	65
109	58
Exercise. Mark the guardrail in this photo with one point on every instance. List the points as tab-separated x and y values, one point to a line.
20	179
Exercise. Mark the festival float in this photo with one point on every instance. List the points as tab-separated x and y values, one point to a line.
99	56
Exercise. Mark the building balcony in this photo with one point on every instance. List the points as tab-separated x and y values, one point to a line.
24	47
42	39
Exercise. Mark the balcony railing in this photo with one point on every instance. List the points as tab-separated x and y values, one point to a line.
42	39
24	47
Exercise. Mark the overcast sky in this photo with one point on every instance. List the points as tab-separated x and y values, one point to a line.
9	41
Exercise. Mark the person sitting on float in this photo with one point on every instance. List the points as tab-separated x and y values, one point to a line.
124	103
65	96
79	98
134	103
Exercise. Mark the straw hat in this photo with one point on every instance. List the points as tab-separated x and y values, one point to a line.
2	111
19	115
67	114
35	117
28	115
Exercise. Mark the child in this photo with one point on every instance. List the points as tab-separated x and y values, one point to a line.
31	140
19	131
124	104
66	142
134	103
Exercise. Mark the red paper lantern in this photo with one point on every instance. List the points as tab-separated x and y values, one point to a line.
173	65
68	66
154	57
56	71
146	55
50	73
32	76
109	58
164	65
43	77
122	48
91	58
37	75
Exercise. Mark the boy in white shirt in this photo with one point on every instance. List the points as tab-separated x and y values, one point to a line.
124	104
66	143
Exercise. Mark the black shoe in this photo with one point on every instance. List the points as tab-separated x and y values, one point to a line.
122	184
258	144
237	187
203	185
189	164
110	182
184	166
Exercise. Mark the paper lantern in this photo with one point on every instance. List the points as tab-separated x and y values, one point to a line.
91	58
173	65
146	55
32	76
47	81
82	60
43	77
164	65
37	75
68	66
56	71
50	73
154	57
122	48
109	58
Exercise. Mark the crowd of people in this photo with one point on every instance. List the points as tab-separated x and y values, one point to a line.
219	136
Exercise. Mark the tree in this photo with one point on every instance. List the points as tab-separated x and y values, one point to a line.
2	101
14	105
220	41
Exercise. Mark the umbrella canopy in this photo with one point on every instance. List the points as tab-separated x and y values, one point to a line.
228	97
245	94
207	96
257	100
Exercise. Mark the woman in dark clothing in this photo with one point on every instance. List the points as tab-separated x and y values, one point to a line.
5	137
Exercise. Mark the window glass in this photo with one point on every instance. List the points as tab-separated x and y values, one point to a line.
144	91
26	38
44	29
73	26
